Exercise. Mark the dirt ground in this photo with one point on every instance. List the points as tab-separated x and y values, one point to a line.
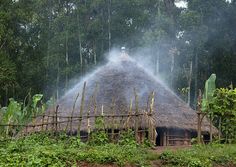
161	149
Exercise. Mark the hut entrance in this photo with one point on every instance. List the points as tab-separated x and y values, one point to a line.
159	138
172	137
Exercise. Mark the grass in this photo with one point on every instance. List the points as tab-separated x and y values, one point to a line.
44	150
201	156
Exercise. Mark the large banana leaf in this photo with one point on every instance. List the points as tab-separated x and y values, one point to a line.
209	90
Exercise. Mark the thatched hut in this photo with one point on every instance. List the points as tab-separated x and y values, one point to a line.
176	123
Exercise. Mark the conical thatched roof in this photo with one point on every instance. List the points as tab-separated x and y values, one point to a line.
117	80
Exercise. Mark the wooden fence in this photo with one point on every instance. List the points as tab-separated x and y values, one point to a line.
142	123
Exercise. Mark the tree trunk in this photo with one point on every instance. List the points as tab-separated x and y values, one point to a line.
48	39
94	53
109	24
189	81
196	79
67	61
66	47
58	79
80	47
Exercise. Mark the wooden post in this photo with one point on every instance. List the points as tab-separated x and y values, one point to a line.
112	119
136	115
72	113
71	121
88	117
198	127
167	137
56	114
199	117
34	125
47	121
126	124
88	123
42	122
67	124
81	109
164	138
94	99
150	125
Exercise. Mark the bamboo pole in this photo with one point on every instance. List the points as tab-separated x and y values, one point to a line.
88	117
56	113
72	113
47	121
42	123
126	125
136	117
88	124
150	127
81	109
94	99
199	117
112	119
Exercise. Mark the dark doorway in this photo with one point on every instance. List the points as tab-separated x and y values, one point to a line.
159	141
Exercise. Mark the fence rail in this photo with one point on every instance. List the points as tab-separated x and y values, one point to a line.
142	122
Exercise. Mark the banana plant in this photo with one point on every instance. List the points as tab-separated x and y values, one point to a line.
210	87
36	99
11	114
209	90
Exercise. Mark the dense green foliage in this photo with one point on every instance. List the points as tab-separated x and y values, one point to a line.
209	90
223	109
43	150
201	156
17	113
45	44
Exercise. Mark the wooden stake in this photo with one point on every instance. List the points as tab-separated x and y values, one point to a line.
151	125
113	113
81	109
42	122
199	117
88	117
72	113
126	125
152	102
94	99
56	112
136	117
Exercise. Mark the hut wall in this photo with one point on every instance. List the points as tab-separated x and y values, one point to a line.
173	137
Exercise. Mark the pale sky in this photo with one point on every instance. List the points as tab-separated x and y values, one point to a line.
181	4
184	4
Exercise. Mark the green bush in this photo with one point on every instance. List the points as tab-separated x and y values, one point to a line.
45	150
201	156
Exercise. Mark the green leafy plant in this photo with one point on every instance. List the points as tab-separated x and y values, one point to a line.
20	113
127	138
223	106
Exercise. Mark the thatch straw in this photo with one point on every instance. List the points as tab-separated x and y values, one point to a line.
117	80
